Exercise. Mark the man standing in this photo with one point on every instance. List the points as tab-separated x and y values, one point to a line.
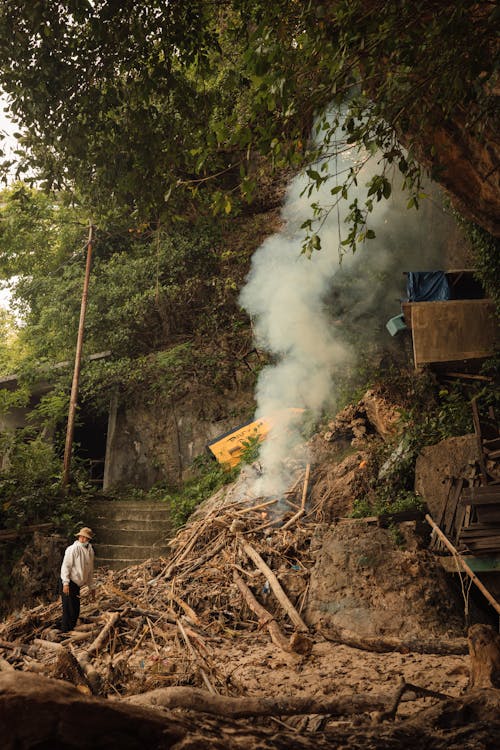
77	569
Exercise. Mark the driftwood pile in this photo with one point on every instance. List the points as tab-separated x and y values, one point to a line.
151	625
238	570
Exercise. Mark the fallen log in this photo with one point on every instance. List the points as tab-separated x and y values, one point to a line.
39	712
301	646
36	711
99	640
238	708
383	644
276	587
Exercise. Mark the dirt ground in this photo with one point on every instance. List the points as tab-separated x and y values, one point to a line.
267	598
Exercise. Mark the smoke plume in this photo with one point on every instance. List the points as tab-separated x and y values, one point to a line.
315	315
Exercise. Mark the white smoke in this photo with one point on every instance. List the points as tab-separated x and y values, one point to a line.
289	298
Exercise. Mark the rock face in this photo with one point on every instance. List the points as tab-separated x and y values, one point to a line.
363	582
382	414
148	443
438	464
35	575
468	169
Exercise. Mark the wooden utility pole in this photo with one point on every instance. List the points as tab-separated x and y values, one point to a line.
70	429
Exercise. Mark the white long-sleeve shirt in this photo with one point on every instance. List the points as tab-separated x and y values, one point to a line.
78	564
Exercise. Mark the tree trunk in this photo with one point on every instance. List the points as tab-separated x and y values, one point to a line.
484	650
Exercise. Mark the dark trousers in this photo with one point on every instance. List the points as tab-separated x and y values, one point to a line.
70	607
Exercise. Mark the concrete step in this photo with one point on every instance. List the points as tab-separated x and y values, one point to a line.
121	512
129	532
108	507
135	552
132	536
133	522
116	563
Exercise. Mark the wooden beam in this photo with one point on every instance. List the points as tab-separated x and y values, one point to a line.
489	564
467	569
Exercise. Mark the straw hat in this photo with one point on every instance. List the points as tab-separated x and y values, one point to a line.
85	531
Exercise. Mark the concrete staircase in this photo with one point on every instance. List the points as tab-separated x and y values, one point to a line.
127	532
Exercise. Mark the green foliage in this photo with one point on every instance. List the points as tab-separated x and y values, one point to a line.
208	477
148	289
386	503
14	399
10	349
486	251
145	107
432	414
30	486
251	447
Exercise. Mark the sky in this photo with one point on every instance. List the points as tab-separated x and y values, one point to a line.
7	129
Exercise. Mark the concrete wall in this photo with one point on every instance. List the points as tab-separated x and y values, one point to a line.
149	444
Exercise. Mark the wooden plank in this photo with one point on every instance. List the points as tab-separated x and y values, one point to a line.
452	331
488	514
481	529
482	489
491	546
486	564
479	438
449	526
491	496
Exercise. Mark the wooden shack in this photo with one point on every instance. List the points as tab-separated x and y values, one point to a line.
451	331
463	327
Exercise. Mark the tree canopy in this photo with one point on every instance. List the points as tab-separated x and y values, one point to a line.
146	108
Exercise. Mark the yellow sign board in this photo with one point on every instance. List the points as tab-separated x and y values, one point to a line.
227	448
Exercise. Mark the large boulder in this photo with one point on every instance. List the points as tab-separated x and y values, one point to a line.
363	582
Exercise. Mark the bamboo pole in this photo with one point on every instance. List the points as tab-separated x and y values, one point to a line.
469	571
70	429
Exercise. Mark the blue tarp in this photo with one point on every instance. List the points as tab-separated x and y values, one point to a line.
427	286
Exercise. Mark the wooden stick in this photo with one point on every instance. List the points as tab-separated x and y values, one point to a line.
183	551
469	571
265	618
302	502
187	609
255	507
405	687
276	587
196	659
214	550
97	642
152	635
